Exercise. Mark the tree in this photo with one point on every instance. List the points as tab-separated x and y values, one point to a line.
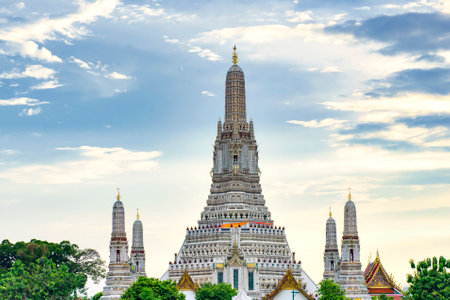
79	261
41	280
329	290
220	291
430	279
152	289
382	297
97	296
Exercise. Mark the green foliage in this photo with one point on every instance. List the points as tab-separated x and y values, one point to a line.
152	289
79	261
41	280
430	279
382	297
329	290
220	291
97	296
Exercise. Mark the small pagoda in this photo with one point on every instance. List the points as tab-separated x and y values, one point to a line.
379	282
288	288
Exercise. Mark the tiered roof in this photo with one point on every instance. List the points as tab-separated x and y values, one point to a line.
288	283
186	283
377	279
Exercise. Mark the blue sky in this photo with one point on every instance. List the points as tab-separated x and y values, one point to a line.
100	94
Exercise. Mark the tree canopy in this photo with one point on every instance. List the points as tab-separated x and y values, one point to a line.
152	289
41	280
430	279
220	291
329	290
79	261
45	270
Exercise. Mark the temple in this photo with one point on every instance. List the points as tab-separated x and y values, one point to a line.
137	255
236	241
379	282
122	271
348	270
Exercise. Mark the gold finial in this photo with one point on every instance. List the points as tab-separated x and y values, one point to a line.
118	194
349	193
378	255
330	212
137	214
234	58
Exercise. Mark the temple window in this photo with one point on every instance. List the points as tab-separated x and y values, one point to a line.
235	159
118	256
250	281
236	279
351	255
220	277
137	266
332	265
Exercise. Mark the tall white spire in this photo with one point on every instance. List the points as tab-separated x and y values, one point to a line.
137	249
331	253
350	275
118	278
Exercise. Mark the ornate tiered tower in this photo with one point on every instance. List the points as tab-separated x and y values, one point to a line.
119	277
236	241
331	254
137	255
350	275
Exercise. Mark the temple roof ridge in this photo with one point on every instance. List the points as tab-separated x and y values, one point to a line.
288	282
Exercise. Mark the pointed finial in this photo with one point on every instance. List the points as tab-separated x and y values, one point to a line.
330	212
234	58
220	119
378	255
118	194
137	214
349	193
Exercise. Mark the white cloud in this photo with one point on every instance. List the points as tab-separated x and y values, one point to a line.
205	53
9	151
33	71
80	63
47	85
94	164
209	94
325	123
421	136
302	45
299	16
98	69
23	40
22	101
387	109
115	75
137	13
20	5
171	41
327	69
28	112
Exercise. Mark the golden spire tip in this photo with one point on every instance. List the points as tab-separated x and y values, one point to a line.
349	193
137	214
330	212
118	194
234	58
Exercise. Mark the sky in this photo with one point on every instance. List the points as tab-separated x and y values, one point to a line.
101	94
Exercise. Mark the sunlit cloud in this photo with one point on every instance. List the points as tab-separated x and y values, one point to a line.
52	84
93	165
33	71
22	101
23	40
